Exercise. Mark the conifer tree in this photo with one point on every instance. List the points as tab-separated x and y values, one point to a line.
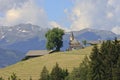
96	65
116	49
81	72
104	50
65	73
107	52
117	59
118	68
84	69
58	73
44	74
110	51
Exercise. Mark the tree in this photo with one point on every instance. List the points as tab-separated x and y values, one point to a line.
84	42
118	69
1	78
65	73
13	77
116	60
110	53
85	69
44	74
81	72
58	73
96	64
54	39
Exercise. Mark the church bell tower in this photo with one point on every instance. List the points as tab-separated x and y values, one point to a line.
71	36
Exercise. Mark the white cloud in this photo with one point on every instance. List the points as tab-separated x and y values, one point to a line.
116	30
100	14
12	15
110	15
9	4
110	2
29	12
54	24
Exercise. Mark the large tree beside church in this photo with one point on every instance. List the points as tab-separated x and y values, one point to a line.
54	39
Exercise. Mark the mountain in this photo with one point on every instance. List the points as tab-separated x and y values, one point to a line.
8	57
29	44
21	32
17	40
94	34
24	37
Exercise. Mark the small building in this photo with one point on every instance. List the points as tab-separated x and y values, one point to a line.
74	43
94	42
36	53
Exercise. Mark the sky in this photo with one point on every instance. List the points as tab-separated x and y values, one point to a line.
66	14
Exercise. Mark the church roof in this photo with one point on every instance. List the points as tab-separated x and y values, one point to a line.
75	42
37	53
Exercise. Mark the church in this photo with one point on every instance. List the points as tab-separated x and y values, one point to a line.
73	43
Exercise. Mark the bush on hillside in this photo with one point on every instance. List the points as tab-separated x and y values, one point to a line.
1	78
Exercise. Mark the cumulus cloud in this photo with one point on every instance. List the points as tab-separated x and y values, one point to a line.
54	24
116	29
100	14
8	4
29	12
110	15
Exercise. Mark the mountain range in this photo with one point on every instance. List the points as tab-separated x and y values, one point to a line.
16	41
8	57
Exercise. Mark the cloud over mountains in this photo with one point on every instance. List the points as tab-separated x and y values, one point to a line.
101	14
98	14
22	11
8	4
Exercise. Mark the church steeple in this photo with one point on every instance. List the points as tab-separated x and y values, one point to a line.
71	36
74	44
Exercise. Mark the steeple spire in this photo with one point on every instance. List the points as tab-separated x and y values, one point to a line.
71	36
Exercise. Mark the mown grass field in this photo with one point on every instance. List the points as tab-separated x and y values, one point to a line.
32	67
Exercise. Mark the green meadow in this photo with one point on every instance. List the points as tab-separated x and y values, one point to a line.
33	67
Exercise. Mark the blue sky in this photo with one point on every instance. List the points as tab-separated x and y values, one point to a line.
55	8
65	14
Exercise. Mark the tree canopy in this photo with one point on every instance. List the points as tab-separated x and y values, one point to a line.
54	39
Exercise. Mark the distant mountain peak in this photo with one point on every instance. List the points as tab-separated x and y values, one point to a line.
21	32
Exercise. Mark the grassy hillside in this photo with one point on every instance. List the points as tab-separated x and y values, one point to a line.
33	67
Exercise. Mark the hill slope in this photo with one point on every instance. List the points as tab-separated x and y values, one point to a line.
33	67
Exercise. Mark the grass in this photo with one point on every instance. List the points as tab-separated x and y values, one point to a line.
32	67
